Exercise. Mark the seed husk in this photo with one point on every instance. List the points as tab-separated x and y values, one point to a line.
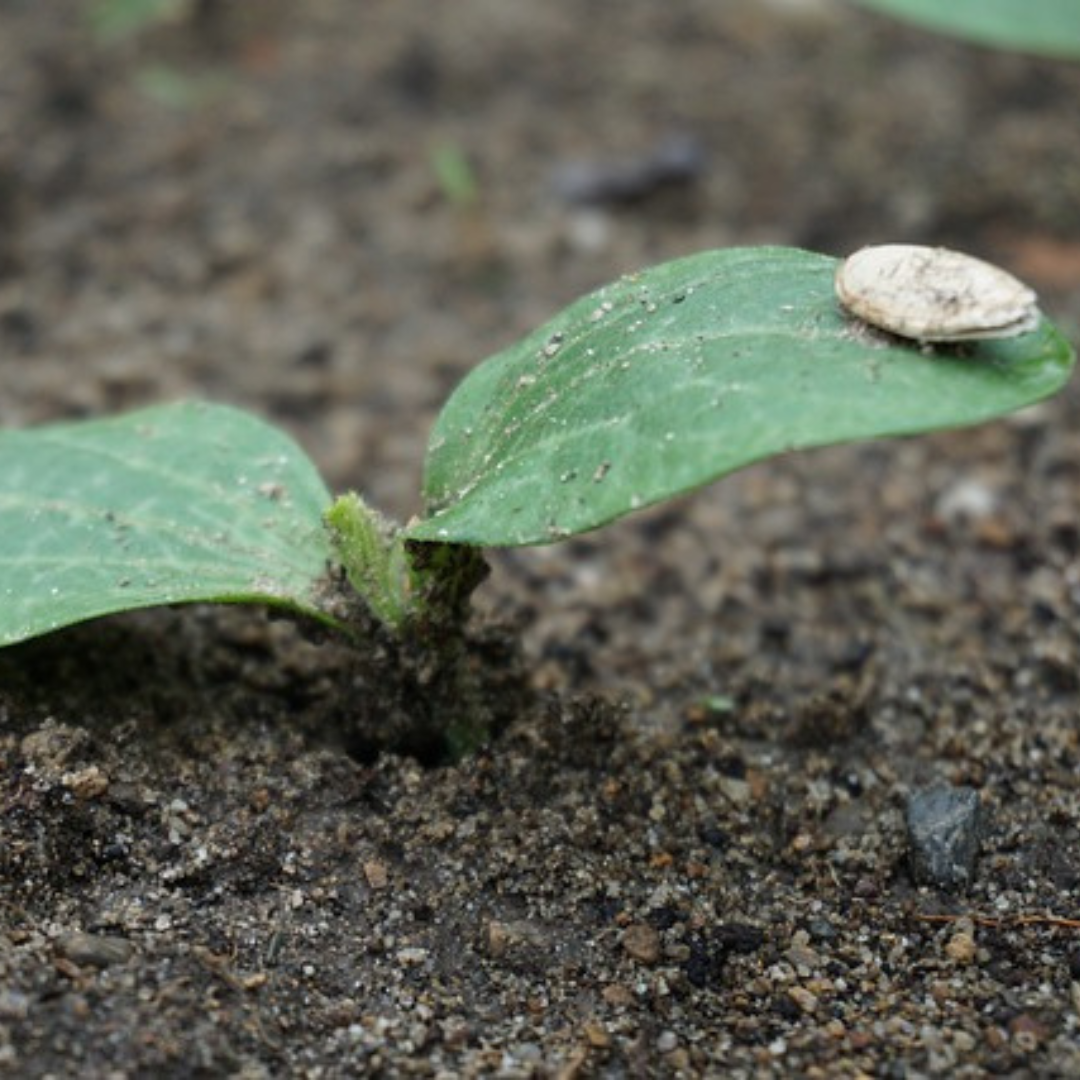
933	294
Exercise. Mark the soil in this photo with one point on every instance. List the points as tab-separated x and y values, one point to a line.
686	854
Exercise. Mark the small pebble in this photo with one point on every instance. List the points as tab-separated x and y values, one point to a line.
14	1005
527	1052
944	832
674	161
501	937
642	942
801	954
1028	1033
961	947
498	938
804	999
376	874
617	995
88	783
94	950
667	1042
967	500
596	1034
736	790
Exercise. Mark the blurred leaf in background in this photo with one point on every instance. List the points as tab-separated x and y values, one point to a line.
1040	26
114	20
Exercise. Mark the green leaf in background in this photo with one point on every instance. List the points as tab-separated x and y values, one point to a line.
172	504
671	378
113	20
1042	26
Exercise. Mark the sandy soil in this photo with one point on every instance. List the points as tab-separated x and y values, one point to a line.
687	856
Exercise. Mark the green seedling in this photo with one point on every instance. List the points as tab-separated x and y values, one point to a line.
178	90
1039	26
117	20
455	175
651	387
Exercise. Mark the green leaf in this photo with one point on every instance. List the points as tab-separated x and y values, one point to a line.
113	20
173	504
671	378
1042	26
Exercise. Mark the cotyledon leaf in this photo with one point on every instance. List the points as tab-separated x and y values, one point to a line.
176	503
673	377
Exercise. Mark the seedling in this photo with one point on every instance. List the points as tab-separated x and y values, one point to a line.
455	175
651	387
115	20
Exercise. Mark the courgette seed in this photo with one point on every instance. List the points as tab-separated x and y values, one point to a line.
934	294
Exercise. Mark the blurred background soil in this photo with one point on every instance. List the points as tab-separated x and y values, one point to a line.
689	858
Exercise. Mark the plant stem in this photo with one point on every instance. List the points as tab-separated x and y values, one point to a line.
419	593
373	558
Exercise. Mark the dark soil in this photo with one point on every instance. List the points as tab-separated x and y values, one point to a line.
685	856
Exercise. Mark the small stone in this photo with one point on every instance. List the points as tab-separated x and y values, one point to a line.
804	999
944	830
499	938
961	948
963	1041
259	800
678	1062
53	744
617	996
528	1053
801	955
376	874
88	783
967	500
94	950
596	1034
14	1005
736	790
667	1042
642	942
1027	1032
502	937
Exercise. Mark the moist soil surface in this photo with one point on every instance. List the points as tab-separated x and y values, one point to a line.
685	855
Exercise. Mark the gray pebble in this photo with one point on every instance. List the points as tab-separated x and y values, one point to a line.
667	1042
674	161
14	1005
94	950
944	831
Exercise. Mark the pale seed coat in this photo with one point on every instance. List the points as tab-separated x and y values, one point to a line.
934	294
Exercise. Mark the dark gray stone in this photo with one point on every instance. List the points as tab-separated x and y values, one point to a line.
944	832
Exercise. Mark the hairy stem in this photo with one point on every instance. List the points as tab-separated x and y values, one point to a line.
419	593
373	558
